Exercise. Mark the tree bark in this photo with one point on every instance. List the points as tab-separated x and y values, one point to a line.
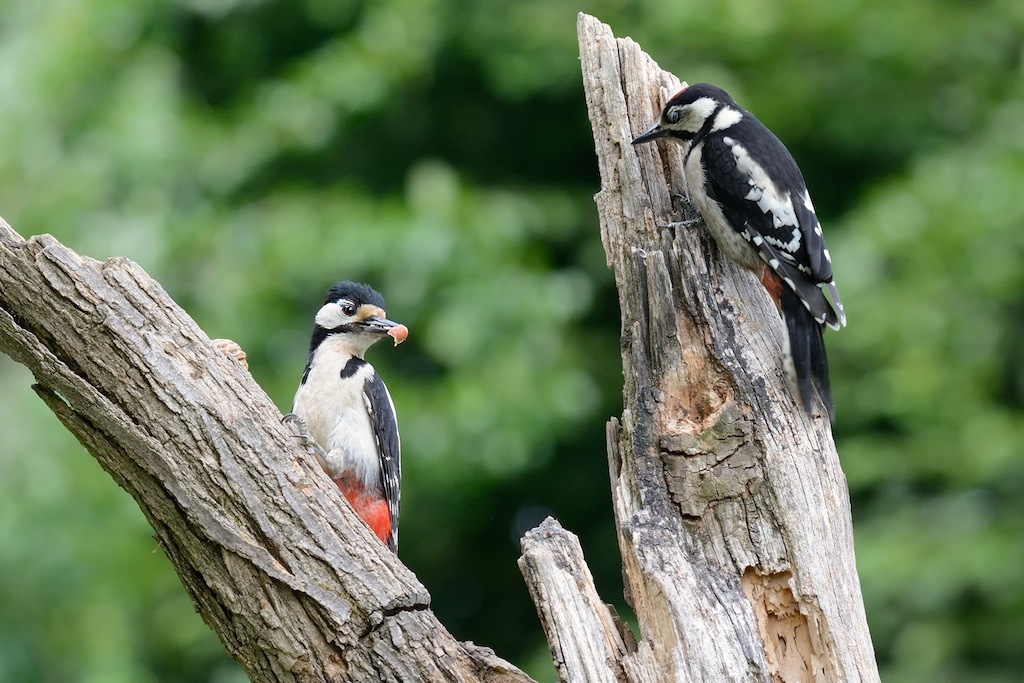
275	562
732	511
588	641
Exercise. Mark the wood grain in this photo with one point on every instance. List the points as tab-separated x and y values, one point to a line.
732	511
276	563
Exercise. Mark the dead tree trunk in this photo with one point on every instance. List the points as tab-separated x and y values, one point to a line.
732	510
280	568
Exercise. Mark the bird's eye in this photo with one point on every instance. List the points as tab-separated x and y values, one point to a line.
348	308
673	116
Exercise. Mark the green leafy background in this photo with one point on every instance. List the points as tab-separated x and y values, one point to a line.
248	153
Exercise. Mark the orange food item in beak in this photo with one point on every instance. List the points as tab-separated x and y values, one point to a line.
398	333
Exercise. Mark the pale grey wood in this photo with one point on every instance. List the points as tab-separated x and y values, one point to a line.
732	511
275	561
588	641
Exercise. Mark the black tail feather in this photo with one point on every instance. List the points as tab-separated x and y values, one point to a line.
807	351
819	370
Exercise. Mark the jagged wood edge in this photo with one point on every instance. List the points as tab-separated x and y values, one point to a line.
731	507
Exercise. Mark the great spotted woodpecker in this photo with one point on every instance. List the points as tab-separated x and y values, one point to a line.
343	411
755	204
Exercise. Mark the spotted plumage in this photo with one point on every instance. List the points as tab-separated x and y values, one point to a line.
752	196
347	409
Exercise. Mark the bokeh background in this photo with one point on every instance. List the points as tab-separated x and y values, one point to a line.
248	153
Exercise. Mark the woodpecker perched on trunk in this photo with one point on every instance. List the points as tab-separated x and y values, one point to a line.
755	204
345	413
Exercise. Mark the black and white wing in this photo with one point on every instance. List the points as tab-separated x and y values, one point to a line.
773	211
385	431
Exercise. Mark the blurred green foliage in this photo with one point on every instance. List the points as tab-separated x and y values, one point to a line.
248	153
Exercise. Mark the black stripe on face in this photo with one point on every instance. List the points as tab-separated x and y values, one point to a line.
352	367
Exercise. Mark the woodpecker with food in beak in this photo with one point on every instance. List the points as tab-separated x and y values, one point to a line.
343	410
753	199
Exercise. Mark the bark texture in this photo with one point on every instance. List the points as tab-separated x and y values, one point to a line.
276	563
588	641
732	511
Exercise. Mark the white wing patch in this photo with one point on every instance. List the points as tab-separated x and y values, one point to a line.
765	194
390	457
790	246
808	204
726	117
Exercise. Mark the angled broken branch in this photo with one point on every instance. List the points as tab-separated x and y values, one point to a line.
280	568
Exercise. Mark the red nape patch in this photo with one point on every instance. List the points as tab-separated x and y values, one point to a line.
371	509
774	284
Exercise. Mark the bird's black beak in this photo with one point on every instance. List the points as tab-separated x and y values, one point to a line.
382	326
652	133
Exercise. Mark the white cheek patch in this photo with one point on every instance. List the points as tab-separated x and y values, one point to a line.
331	316
692	116
703	107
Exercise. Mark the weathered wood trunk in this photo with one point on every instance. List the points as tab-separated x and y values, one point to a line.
276	563
732	510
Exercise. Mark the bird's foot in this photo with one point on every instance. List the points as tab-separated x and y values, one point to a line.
303	436
685	205
682	200
680	224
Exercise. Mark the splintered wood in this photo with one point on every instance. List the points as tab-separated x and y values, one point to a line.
732	511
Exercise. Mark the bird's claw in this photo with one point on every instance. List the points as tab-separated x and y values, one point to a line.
683	203
303	436
681	199
680	224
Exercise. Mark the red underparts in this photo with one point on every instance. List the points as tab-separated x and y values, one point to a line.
371	508
774	284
